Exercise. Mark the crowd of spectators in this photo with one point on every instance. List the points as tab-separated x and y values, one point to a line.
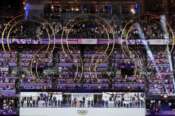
79	72
112	74
160	106
161	82
91	72
8	106
151	29
86	27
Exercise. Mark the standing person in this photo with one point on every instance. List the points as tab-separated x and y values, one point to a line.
22	102
54	101
31	101
37	102
34	102
84	99
28	102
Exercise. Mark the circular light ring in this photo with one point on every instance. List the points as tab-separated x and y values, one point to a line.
6	28
108	35
13	26
67	37
35	61
125	48
67	54
68	44
19	20
167	44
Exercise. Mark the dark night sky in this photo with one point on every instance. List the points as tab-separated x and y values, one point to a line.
10	3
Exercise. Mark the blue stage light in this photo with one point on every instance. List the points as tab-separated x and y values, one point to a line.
27	8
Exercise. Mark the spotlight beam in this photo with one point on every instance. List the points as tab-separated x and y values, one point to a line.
149	53
148	50
166	36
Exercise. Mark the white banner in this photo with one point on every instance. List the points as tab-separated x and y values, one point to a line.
82	112
88	41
